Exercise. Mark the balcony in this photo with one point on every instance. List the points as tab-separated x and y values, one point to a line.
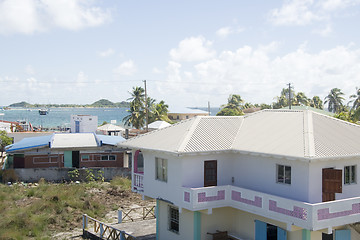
309	216
137	182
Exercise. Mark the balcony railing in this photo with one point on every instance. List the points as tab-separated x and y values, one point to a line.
138	182
302	214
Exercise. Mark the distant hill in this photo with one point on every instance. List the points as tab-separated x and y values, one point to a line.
21	104
107	103
101	103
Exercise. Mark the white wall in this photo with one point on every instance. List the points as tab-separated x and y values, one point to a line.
87	123
186	224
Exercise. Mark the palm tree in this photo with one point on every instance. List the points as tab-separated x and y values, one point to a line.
355	99
136	118
334	100
301	99
160	112
316	102
233	107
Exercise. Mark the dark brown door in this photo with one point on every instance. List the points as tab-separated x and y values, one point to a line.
331	183
19	161
210	173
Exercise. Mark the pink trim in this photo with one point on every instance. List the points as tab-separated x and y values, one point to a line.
203	198
136	155
325	212
186	196
297	212
236	196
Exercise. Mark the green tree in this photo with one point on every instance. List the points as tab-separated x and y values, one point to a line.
233	107
136	117
160	112
316	102
301	99
4	141
335	100
355	99
283	99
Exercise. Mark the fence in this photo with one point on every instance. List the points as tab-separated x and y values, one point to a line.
103	231
140	213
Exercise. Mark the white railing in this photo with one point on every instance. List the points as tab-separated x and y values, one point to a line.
302	214
103	231
138	182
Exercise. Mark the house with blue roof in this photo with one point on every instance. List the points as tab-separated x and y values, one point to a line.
69	150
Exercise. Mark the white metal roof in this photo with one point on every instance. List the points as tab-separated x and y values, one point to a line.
291	133
159	124
110	127
184	110
73	140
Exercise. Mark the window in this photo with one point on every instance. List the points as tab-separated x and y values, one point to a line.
108	158
283	174
85	158
161	169
173	219
350	174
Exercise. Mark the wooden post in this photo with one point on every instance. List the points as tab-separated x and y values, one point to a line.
119	216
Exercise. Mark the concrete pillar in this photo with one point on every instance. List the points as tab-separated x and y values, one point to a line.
306	234
197	225
157	218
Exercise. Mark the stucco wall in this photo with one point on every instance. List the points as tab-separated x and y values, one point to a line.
186	223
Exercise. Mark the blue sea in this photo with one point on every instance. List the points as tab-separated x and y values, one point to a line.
60	117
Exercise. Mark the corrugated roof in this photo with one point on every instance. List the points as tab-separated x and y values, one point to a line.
292	133
64	140
73	140
159	124
27	143
184	110
110	140
110	127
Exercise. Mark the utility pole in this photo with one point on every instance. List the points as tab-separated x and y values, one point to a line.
146	108
289	95
209	108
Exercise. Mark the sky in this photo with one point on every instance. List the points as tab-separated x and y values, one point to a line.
189	52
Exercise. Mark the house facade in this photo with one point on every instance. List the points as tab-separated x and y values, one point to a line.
273	174
73	150
185	113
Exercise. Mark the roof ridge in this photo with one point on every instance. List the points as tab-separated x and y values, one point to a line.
337	119
237	133
188	135
308	134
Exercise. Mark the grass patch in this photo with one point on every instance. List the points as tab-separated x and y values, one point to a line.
36	212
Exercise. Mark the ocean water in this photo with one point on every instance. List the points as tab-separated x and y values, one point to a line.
60	117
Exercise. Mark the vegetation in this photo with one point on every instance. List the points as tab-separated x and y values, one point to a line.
38	211
335	100
100	103
4	141
233	107
297	99
137	111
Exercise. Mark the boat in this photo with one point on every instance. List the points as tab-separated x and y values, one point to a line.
43	111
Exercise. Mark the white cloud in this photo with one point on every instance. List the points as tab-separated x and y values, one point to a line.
29	70
81	79
258	76
226	31
305	12
193	49
30	16
294	12
325	31
106	53
156	70
127	68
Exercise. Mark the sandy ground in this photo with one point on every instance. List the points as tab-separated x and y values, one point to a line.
141	229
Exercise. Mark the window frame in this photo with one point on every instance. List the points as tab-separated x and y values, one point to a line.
352	178
285	171
161	169
173	220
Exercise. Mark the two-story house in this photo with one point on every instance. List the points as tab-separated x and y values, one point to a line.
273	174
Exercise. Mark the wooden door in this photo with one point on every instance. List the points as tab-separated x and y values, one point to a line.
19	161
210	173
331	183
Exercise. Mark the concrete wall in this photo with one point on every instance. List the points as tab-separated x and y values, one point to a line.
60	174
186	224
